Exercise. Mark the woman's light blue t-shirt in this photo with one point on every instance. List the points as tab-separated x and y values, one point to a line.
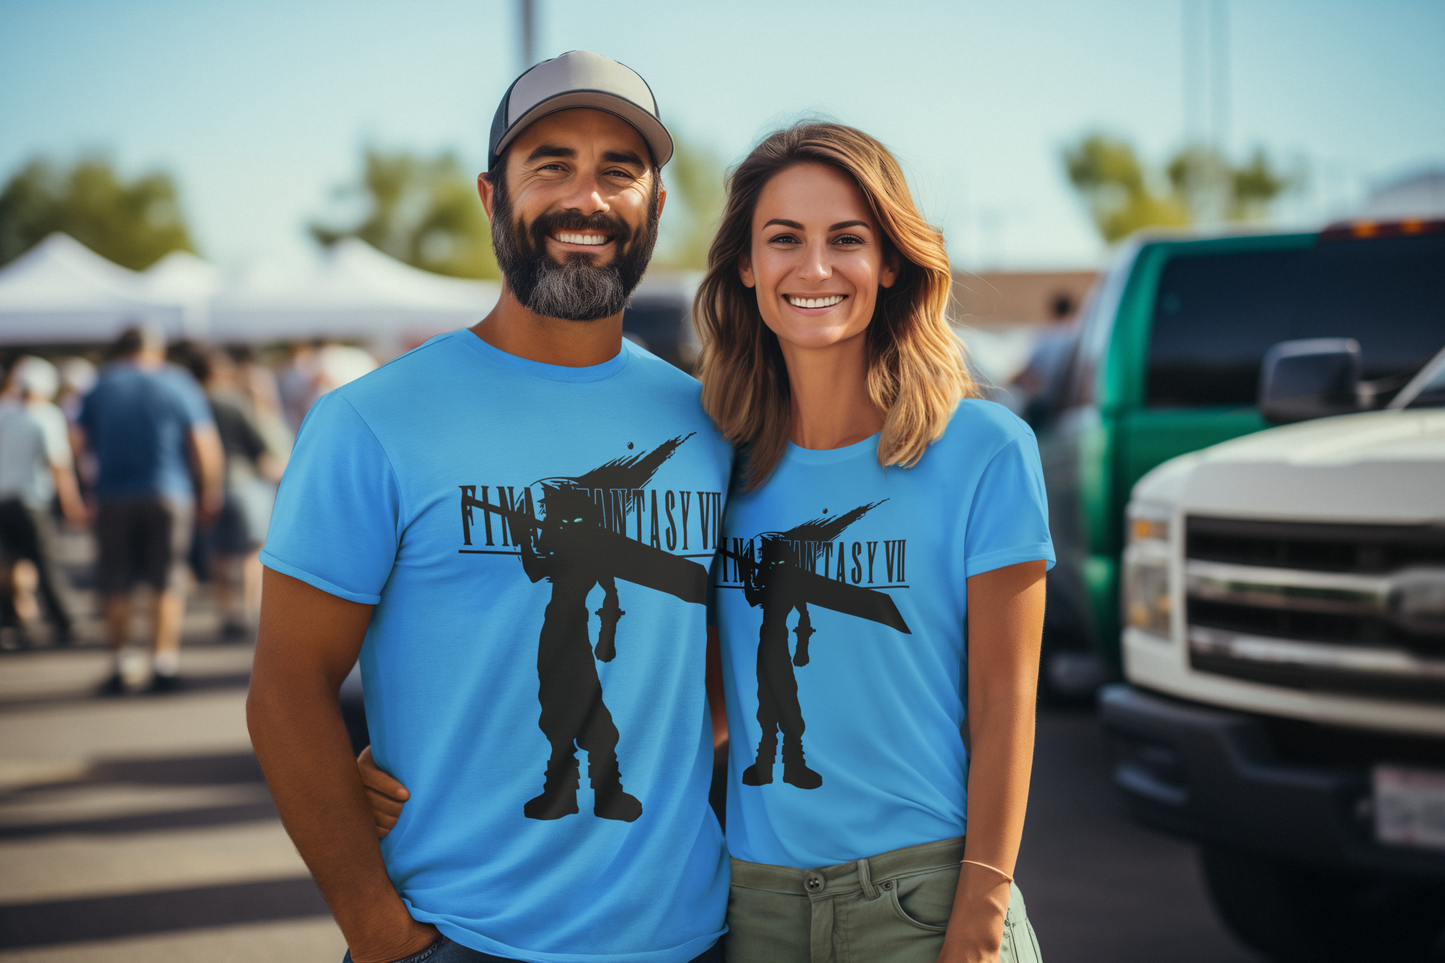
879	559
412	489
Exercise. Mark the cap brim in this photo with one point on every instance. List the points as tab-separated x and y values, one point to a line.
651	129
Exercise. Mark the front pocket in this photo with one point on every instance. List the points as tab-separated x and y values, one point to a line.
924	900
885	930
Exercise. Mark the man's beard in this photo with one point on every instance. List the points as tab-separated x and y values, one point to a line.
575	289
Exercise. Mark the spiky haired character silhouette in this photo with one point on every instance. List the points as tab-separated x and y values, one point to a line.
780	580
573	548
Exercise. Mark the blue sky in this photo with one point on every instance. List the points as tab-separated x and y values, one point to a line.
260	108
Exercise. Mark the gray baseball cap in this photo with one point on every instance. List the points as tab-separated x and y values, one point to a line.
578	78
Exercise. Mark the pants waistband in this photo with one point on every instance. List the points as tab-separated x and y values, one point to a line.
856	875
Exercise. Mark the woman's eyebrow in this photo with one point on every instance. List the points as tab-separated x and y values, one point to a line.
836	227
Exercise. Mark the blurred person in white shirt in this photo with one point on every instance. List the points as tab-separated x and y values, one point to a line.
37	468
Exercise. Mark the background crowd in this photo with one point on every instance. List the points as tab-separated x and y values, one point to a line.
152	464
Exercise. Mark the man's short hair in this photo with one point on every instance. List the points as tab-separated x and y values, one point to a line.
145	336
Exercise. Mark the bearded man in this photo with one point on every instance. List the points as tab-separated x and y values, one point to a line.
411	514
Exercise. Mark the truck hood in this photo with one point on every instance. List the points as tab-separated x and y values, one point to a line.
1380	466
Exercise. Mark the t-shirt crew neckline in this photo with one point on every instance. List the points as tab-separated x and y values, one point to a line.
551	372
828	456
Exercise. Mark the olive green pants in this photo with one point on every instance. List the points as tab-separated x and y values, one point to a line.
891	908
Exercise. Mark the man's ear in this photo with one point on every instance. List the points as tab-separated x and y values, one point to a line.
745	271
661	197
888	276
485	190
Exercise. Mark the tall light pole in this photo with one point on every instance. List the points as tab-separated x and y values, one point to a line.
526	33
1205	64
1219	74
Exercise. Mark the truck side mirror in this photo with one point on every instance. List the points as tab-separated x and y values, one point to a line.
1309	378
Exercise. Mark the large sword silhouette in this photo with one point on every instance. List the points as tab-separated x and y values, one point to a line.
802	585
630	560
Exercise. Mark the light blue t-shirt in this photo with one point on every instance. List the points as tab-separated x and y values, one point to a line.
878	560
490	506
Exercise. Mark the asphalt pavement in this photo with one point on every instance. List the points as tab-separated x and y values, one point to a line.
140	829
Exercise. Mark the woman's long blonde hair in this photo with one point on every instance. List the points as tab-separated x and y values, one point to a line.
916	371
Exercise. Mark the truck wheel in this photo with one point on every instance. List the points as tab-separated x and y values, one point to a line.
1303	914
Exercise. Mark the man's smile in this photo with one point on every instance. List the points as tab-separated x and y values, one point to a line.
586	240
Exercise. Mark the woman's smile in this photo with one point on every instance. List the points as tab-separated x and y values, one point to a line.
817	303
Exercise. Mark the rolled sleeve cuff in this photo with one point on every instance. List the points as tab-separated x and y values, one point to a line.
316	581
1010	556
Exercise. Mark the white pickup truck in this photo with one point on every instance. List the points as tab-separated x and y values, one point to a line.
1284	646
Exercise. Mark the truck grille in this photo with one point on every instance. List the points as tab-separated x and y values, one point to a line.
1356	609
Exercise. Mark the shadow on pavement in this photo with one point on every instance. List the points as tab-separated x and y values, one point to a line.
158	911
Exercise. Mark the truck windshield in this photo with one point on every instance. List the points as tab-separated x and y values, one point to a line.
1433	394
1215	315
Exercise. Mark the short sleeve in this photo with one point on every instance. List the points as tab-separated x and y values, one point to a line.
57	435
338	518
194	407
1008	522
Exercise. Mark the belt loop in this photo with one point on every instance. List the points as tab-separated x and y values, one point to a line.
865	879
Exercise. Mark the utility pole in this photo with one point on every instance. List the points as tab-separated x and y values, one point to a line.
527	33
1205	69
1219	74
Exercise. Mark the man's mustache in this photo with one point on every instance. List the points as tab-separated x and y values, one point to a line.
601	222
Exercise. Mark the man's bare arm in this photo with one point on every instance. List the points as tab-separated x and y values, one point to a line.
208	462
72	506
308	641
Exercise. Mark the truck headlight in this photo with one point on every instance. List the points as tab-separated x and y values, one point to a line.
1146	597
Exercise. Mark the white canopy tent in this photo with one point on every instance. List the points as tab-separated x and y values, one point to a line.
61	291
181	278
357	293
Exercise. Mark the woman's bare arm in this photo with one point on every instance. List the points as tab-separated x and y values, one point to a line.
1005	627
308	641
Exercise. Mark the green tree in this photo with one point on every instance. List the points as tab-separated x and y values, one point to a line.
695	195
1257	184
421	210
1199	185
1213	189
134	223
1107	174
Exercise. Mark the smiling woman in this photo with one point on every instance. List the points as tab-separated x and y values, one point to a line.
861	239
883	509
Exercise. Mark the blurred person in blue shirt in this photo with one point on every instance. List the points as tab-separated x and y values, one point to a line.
160	472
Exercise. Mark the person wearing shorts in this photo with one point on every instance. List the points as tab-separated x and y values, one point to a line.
147	423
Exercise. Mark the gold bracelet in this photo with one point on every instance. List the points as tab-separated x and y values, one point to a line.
995	869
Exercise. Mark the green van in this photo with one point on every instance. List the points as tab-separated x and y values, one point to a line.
1166	361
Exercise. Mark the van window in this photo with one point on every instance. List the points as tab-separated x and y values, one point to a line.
1216	315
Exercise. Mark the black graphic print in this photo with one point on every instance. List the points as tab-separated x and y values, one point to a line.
782	577
577	541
